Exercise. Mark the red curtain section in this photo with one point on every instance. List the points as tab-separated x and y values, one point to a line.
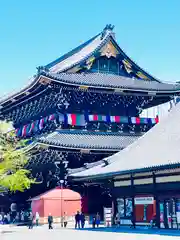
149	212
38	206
46	206
139	210
84	204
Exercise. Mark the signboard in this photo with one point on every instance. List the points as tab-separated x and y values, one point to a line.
107	217
13	207
178	211
143	200
161	212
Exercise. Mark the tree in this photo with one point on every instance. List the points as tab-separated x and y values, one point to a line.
13	158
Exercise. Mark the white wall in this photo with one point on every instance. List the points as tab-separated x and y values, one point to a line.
160	110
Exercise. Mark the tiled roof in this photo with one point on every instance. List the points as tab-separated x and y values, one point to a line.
88	140
112	81
86	166
67	55
90	166
156	149
81	54
87	50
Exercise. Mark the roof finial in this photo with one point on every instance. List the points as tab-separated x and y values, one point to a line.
42	69
108	27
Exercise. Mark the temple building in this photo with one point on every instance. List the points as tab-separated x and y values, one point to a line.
144	178
82	108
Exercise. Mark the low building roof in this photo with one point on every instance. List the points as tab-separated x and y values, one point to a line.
88	140
58	193
158	148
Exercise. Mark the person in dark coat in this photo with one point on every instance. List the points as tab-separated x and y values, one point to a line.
133	222
82	219
31	219
50	221
65	220
98	219
77	219
94	222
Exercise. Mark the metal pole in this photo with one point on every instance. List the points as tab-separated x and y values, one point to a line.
61	204
61	182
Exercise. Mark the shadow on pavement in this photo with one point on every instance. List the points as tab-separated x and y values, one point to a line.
4	232
164	232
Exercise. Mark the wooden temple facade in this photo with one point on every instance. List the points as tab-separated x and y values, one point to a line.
81	109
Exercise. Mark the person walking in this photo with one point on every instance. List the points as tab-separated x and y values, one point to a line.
37	219
82	219
133	222
77	220
117	220
50	221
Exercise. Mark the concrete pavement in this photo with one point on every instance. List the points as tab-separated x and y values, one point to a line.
42	233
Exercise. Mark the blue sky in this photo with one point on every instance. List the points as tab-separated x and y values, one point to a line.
33	33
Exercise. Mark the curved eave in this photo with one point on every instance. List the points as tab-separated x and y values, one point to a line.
47	144
45	78
99	163
59	79
96	141
112	175
21	93
133	62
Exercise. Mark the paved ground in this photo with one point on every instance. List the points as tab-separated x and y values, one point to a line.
42	233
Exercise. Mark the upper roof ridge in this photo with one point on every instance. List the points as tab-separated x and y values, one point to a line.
108	28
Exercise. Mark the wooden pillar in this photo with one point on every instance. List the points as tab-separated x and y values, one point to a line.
133	196
114	202
114	209
156	198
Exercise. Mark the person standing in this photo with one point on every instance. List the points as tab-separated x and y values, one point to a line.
153	221
77	220
22	216
31	218
65	220
8	218
82	219
50	221
94	222
37	219
98	219
117	220
5	219
1	218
